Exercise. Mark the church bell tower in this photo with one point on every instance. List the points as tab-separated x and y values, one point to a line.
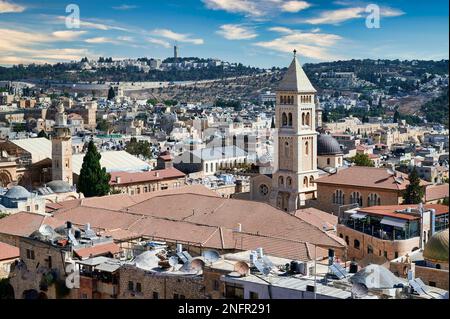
293	183
62	148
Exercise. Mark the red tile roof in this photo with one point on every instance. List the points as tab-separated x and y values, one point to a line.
141	177
436	192
24	224
8	252
367	177
391	210
98	250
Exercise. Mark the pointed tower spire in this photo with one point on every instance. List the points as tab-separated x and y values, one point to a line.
295	79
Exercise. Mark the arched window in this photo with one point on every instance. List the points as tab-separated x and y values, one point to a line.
356	198
284	119
306	148
356	243
373	200
311	181
338	197
308	118
328	161
305	182
281	181
289	181
303	119
369	249
206	167
290	119
347	240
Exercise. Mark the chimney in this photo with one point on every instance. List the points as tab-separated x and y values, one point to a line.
88	226
179	248
239	228
432	221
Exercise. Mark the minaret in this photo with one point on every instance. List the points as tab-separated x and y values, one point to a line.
62	148
293	182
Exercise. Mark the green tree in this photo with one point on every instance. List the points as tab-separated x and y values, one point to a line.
43	134
111	94
103	126
141	148
93	180
396	116
362	160
6	291
414	191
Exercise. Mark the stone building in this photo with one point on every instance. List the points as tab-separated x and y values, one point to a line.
8	255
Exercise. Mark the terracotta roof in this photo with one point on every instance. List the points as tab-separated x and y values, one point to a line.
318	218
436	192
98	250
8	252
140	177
368	177
391	210
24	224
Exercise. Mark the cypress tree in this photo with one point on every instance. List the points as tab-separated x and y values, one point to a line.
93	180
414	193
111	94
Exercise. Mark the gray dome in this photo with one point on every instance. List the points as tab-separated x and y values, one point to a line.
17	192
327	145
59	186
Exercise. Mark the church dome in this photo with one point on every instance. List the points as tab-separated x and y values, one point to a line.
327	145
436	249
59	186
17	192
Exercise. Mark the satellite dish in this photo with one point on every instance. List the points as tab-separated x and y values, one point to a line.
241	268
359	290
398	180
173	261
390	171
46	230
211	256
197	264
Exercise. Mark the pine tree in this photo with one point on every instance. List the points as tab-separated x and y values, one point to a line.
93	180
272	125
362	160
414	193
111	94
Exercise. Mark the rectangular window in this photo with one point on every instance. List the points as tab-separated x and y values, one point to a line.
182	297
30	254
36	207
155	295
432	284
216	285
254	295
176	296
396	255
49	261
138	287
234	292
131	286
385	254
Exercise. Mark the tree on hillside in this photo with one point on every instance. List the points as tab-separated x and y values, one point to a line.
396	116
111	94
362	160
414	193
93	180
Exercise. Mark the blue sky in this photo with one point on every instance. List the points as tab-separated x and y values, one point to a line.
255	32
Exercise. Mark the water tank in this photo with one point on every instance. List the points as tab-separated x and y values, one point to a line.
353	268
303	269
260	252
295	267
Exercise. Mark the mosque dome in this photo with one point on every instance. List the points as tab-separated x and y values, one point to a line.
436	249
59	186
17	192
327	145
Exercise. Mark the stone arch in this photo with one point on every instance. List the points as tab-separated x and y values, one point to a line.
284	119
290	120
289	181
308	119
305	182
306	148
5	178
281	181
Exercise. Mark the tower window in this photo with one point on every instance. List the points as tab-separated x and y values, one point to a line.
290	119
281	181
306	148
284	119
305	182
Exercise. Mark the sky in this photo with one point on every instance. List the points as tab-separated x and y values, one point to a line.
260	33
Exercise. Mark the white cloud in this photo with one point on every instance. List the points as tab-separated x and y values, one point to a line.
180	37
295	6
28	46
92	24
281	30
341	15
308	44
68	35
159	42
125	7
9	7
236	32
257	8
100	40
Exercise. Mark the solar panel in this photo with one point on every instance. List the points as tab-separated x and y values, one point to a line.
182	257
338	271
417	288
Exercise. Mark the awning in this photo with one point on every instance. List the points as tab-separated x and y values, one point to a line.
358	216
396	222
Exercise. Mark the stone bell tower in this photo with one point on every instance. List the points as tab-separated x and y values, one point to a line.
293	182
62	148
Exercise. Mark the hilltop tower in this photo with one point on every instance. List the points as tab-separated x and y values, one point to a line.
62	148
293	183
